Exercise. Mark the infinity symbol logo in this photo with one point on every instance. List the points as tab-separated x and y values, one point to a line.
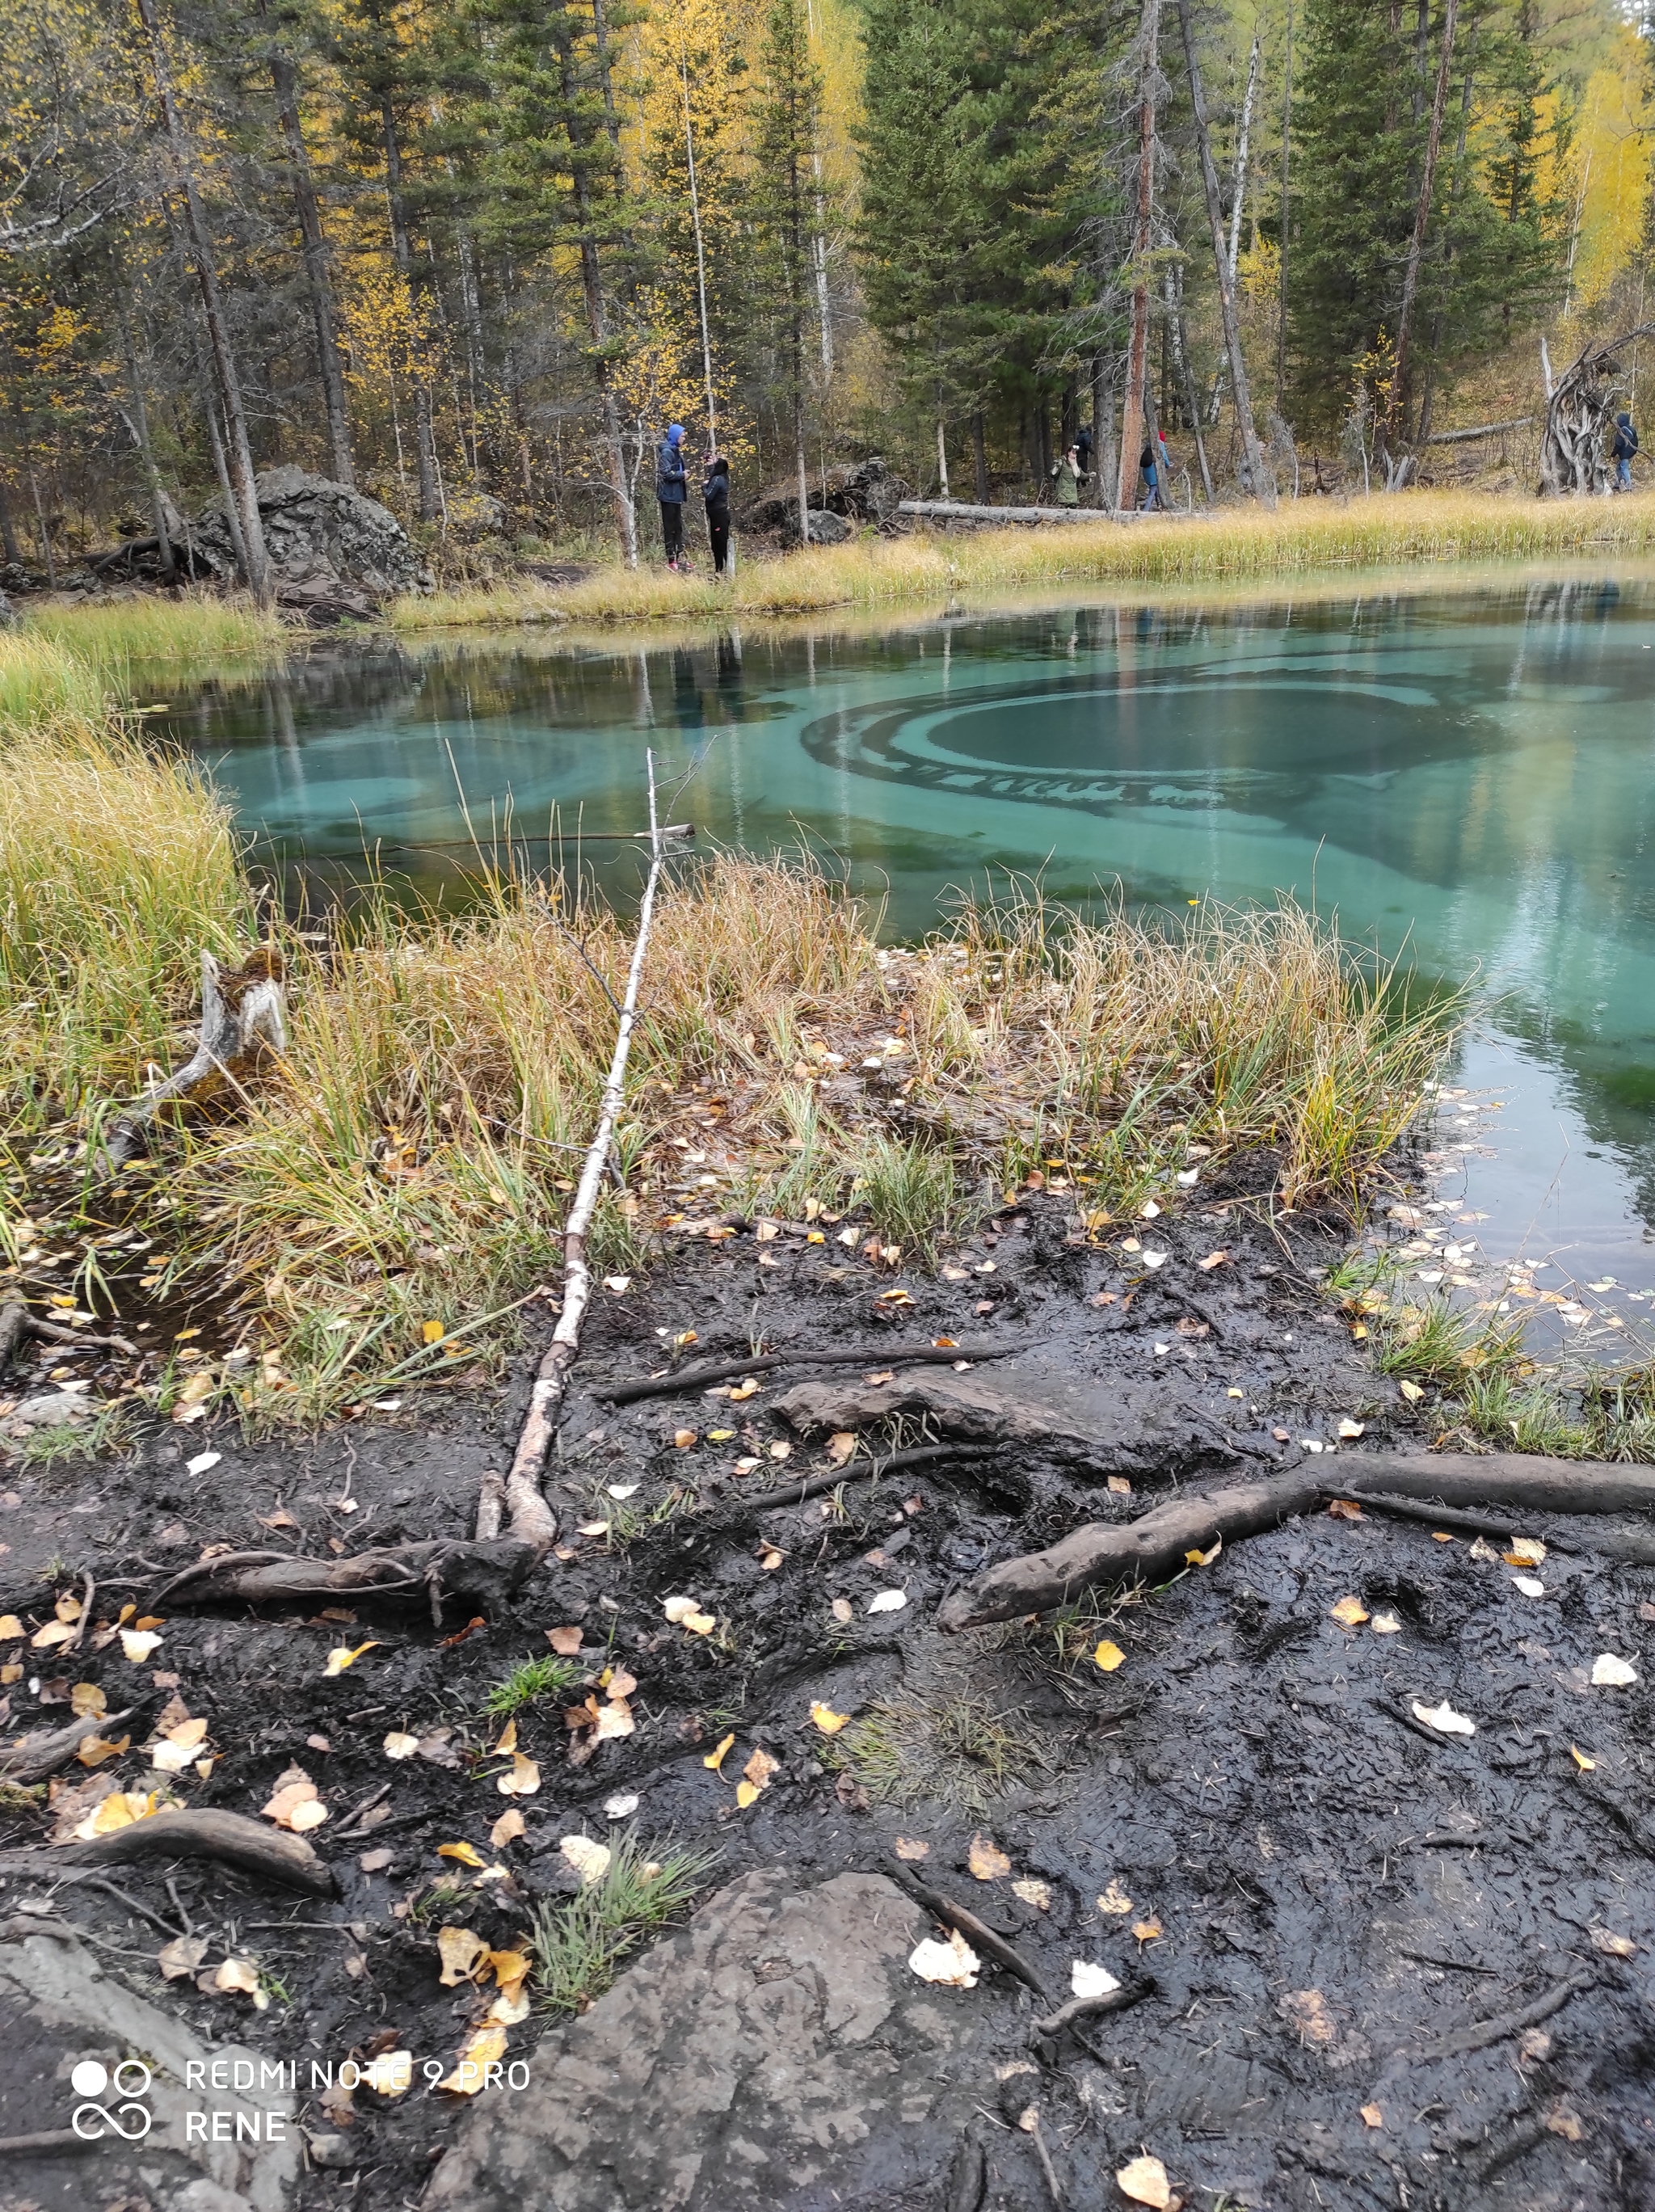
130	2078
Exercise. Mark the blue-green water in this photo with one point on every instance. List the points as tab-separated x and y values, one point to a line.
1470	776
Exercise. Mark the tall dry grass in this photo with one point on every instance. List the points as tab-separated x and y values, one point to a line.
1300	537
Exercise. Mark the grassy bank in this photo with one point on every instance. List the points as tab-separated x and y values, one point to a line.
78	661
1301	537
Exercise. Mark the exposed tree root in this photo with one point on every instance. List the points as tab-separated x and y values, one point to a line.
872	1355
18	1325
39	1756
1154	1546
230	1837
488	1572
855	1470
243	1012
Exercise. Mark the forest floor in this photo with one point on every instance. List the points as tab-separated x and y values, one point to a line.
1316	1898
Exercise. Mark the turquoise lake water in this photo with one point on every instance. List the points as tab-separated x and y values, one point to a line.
1469	776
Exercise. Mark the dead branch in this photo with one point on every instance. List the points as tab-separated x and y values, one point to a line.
488	1572
1577	411
18	1324
39	1755
856	1470
1485	2033
229	1837
243	1012
1131	1993
878	1355
1154	1546
977	1932
531	1518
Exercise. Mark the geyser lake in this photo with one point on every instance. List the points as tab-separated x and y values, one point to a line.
1465	777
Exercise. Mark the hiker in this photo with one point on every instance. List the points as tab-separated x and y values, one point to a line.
1083	447
1068	475
715	491
669	490
1626	445
1151	482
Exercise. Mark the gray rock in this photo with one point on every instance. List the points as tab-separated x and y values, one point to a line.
8	612
333	2154
325	541
51	1409
778	2055
826	527
207	2196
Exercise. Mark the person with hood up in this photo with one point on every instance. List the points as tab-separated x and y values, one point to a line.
1069	475
715	492
669	490
1625	446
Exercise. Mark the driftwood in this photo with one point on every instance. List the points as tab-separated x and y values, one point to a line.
243	1012
252	1845
531	1518
1154	1546
487	1571
41	1754
1579	409
877	1355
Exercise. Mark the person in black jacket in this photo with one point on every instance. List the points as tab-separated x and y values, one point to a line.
1626	445
670	490
716	492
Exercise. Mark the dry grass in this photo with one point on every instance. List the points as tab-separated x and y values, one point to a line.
1305	535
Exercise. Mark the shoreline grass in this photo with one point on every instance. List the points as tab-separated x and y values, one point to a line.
1307	536
83	661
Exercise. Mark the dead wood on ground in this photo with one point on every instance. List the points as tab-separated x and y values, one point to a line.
228	1837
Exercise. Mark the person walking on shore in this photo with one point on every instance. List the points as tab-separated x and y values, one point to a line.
1151	484
1625	446
1068	476
670	490
715	491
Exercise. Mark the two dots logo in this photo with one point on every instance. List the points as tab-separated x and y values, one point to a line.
130	2121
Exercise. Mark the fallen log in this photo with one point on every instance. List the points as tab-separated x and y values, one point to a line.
229	1837
41	1754
243	1012
487	1572
724	1370
1154	1546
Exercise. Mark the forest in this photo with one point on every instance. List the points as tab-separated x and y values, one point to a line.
473	259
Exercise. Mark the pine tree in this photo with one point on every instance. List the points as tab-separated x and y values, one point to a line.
785	207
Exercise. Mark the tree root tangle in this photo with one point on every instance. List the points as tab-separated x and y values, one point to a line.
237	1841
487	1572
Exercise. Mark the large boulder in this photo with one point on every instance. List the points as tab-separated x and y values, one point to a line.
327	544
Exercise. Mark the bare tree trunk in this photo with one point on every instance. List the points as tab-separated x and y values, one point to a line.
1397	423
1137	351
8	532
402	254
147	454
1186	381
1261	482
700	251
941	448
242	475
979	454
1286	152
284	78
1237	198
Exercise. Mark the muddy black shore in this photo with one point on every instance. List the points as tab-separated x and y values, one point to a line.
1372	1965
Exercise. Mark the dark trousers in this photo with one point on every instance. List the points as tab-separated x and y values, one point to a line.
719	534
672	527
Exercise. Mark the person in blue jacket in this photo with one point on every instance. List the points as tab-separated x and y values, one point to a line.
670	490
1626	445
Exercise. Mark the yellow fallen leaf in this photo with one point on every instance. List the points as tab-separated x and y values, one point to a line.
171	1757
10	1627
390	2073
137	1644
1146	1931
678	1609
1108	1656
507	1740
684	1438
758	1772
1412	1391
590	1859
699	1624
342	1657
910	1847
719	1436
1526	1551
188	1733
1115	1899
510	1968
827	1720
86	1699
510	2007
523	1781
715	1759
1580	1759
506	1830
613	1720
1033	1892
1373	2115
485	2049
291	1795
1350	1613
770	1559
432	1332
459	1950
242	1974
986	1861
118	1810
398	1745
95	1749
11	1671
1144	2180
67	1606
746	1388
467	1854
55	1632
840	1445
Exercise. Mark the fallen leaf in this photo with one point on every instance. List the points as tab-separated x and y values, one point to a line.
67	1606
1033	1892
1350	1613
1441	1536
1347	1428
1212	1260
1526	1551
1305	2010
183	1955
1115	1899
507	1743
1585	1764
96	1750
619	1284
1373	2115
678	1609
432	1332
467	1854
1530	1585
1386	1624
86	1698
1610	1673
1412	1391
389	2075
590	1859
118	1810
459	1950
842	1609
1444	1719
1194	1559
684	1438
888	1600
1344	1509
953	1965
757	1773
1108	1656
840	1445
506	1830
770	1560
1144	2180
699	1624
1612	1946
826	1719
523	1781
1120	1486
294	1802
241	1974
715	1759
1088	1980
396	1745
342	1657
488	2046
10	1627
748	1387
986	1861
566	1641
781	1450
137	1644
615	1721
55	1632
1562	2121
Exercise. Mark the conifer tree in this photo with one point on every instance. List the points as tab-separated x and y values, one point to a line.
785	204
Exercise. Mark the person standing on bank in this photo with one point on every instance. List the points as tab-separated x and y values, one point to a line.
715	491
1068	477
1625	446
669	490
1151	486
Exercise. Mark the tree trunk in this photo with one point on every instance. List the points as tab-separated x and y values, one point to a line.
1186	380
8	532
242	473
284	78
1281	286
1237	198
1396	420
1261	482
979	454
1137	351
147	454
941	450
402	254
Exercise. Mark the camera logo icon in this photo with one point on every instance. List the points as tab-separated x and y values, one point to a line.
130	2121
